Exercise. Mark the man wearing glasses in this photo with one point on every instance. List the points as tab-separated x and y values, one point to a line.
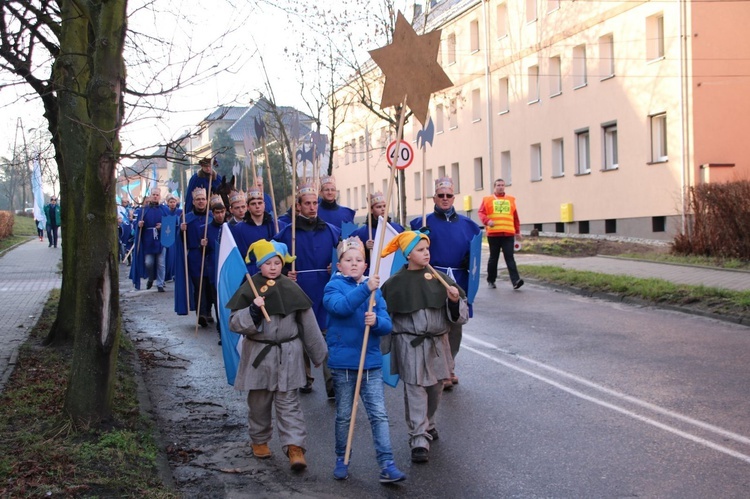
52	212
450	236
499	215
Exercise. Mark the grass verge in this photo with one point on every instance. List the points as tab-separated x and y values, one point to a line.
23	228
657	291
43	455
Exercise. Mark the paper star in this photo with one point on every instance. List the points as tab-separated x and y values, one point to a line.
410	67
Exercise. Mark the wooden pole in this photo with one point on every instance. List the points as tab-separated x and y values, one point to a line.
203	256
294	206
184	243
424	186
371	304
270	182
255	292
369	193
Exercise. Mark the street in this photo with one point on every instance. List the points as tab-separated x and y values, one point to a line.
560	396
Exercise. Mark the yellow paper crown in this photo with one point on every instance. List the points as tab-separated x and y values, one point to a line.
262	250
406	241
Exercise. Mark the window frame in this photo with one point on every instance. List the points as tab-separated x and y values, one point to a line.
610	152
583	161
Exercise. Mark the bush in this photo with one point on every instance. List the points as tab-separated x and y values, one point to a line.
720	223
6	224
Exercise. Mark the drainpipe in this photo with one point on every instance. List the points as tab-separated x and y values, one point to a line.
684	113
488	93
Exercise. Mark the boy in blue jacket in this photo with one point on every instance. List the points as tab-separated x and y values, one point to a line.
346	299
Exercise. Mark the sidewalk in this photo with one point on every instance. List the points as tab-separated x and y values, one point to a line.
27	273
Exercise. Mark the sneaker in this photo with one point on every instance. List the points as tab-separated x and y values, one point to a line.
433	433
341	470
296	458
391	474
491	285
160	289
518	284
261	451
331	394
419	455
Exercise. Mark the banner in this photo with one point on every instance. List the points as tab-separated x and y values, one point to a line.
168	230
231	274
36	188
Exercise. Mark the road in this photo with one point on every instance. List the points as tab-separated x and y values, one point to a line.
560	396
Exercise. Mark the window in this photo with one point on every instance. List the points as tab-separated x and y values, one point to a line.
429	183
610	226
552	5
348	197
659	138
558	158
559	227
536	162
456	178
385	190
655	37
533	84
505	170
356	195
583	227
539	227
441	171
476	106
451	42
439	118
417	185
583	163
504	104
361	148
474	36
609	141
478	174
555	76
353	150
606	57
580	78
530	11
363	195
658	224
502	20
453	117
346	153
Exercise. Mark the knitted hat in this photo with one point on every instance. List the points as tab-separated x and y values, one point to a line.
235	197
352	242
406	241
199	191
262	250
216	202
254	193
376	197
327	179
444	183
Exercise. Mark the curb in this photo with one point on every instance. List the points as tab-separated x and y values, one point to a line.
617	298
720	269
6	250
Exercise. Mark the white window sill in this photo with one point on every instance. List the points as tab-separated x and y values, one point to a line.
582	85
608	77
504	112
555	94
535	101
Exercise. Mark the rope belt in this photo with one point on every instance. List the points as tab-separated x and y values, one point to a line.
421	337
267	348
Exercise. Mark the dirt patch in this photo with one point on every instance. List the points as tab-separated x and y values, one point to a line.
574	247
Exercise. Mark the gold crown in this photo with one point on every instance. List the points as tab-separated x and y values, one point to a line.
352	242
444	183
376	197
199	191
236	196
216	201
305	189
254	193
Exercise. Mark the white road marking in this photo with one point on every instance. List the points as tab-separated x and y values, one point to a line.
715	429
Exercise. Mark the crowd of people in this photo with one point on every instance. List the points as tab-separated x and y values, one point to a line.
310	297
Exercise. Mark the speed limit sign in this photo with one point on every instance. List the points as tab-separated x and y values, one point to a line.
405	154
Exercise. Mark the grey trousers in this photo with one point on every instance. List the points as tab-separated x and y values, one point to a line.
454	338
420	405
290	422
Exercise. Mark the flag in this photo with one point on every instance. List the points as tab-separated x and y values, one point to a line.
231	273
169	228
475	264
36	187
388	266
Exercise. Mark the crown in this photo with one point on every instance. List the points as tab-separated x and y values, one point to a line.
216	201
376	197
199	191
236	196
254	193
444	183
352	242
303	189
327	179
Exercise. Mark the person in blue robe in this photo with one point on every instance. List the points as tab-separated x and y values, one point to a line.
258	224
200	180
149	254
328	208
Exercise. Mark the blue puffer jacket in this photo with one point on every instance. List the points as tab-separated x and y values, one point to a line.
346	303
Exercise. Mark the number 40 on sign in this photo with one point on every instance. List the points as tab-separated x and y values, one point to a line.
405	154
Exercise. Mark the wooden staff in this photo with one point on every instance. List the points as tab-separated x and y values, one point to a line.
125	259
184	241
255	292
369	193
371	304
294	206
270	181
203	256
435	273
424	184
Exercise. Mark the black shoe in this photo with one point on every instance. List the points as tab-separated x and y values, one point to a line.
307	388
149	284
202	321
491	285
433	433
49	245
331	394
160	289
419	455
210	320
518	284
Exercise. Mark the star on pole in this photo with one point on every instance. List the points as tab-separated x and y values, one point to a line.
410	67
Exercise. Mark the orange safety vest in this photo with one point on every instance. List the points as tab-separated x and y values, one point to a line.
500	210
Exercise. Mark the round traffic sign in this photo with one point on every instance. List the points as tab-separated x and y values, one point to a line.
405	154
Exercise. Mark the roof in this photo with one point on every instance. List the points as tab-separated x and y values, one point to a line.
261	108
230	113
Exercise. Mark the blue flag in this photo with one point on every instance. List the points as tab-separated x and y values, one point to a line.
168	230
231	273
475	264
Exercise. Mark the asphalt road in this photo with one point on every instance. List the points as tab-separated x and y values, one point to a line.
560	396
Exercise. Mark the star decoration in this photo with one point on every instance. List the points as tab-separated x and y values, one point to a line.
410	67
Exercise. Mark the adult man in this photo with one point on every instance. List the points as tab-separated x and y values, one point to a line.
213	238
237	207
256	224
171	255
315	242
125	210
52	212
499	215
200	179
154	254
329	210
367	232
451	236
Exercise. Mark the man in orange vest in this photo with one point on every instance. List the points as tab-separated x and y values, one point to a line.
500	218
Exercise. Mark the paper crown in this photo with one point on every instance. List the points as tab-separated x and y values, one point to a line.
352	242
216	202
199	191
444	183
262	250
376	197
254	193
305	189
327	179
406	241
170	197
236	196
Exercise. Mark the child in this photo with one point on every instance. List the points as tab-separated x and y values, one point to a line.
346	299
422	310
271	365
